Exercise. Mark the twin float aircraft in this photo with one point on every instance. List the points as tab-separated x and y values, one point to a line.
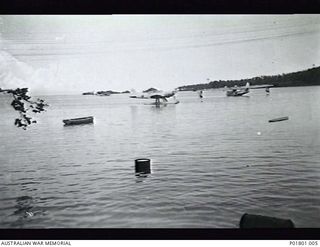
240	91
235	91
160	97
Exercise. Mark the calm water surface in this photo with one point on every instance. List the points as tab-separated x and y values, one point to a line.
209	163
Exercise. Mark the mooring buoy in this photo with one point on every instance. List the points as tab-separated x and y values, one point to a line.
260	221
142	166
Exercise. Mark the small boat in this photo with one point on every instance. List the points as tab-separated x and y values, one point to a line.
82	120
278	119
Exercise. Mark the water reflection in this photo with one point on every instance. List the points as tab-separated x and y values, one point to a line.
24	206
141	177
158	107
78	125
24	210
134	116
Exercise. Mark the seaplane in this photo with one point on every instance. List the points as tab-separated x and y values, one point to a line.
160	97
238	91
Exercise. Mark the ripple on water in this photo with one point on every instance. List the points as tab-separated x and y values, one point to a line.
209	166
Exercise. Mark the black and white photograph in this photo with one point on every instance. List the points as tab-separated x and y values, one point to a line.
159	121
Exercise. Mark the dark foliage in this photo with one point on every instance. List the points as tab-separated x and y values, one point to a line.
308	77
150	90
107	92
22	103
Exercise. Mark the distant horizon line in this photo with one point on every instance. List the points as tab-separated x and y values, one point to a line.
57	93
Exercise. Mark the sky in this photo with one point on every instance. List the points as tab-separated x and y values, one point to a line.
73	54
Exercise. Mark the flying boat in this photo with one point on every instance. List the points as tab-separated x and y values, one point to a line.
238	91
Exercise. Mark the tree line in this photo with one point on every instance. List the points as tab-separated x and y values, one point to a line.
309	77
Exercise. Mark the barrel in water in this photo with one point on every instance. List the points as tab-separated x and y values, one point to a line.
142	166
260	221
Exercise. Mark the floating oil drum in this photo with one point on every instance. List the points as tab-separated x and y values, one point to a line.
260	221
142	166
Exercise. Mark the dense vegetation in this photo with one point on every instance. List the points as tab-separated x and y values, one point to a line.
150	90
308	77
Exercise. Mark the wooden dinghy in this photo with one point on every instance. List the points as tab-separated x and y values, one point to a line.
75	121
278	119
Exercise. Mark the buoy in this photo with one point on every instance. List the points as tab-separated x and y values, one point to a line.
142	166
260	221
